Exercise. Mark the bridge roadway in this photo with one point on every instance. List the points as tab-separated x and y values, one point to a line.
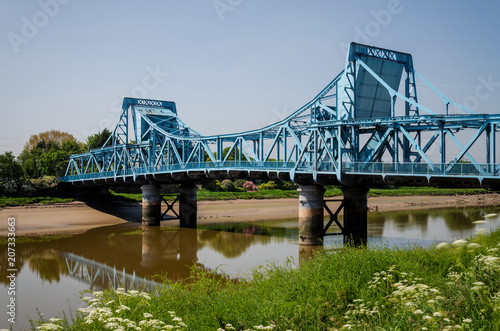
360	130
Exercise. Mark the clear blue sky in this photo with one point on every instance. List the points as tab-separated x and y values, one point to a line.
230	65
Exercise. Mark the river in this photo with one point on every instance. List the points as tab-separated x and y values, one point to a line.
52	272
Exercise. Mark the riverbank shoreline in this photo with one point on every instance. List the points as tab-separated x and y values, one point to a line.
80	216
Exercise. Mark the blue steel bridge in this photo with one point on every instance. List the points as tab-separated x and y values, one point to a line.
366	127
352	131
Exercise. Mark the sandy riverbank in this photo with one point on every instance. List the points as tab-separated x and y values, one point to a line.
78	217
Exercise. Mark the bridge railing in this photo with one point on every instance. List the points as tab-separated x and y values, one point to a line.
433	169
192	166
381	168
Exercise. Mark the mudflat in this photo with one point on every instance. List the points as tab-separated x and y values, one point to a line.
78	216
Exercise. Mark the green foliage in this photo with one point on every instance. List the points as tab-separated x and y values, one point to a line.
9	167
270	185
239	183
29	187
213	186
449	286
228	185
54	162
424	190
98	140
47	154
23	201
232	157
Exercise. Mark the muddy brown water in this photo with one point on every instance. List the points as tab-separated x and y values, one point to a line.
52	273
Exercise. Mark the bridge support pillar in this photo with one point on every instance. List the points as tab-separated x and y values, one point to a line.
188	205
311	217
355	215
151	205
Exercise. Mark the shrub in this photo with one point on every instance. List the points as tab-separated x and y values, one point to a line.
239	183
270	185
250	186
228	185
290	186
213	185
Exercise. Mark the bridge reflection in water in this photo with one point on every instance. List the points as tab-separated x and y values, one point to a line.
134	257
139	257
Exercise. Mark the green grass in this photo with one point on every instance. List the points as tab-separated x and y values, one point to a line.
11	202
411	288
424	190
331	191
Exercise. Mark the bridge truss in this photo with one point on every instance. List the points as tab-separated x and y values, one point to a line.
366	126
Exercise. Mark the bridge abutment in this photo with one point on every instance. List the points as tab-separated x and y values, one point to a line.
188	205
355	215
311	215
151	205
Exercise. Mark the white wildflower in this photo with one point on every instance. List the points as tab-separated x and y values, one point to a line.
459	242
122	308
442	245
50	326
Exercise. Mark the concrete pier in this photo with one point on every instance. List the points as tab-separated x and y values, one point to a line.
151	205
355	215
311	215
188	205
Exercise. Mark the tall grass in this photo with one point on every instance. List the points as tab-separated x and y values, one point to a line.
449	286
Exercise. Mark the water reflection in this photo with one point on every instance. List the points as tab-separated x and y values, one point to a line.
147	253
430	225
48	266
131	256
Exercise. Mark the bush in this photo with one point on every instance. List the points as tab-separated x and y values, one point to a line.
250	186
46	186
228	185
239	183
270	185
289	186
213	186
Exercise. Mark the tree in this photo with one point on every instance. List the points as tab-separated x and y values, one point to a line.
49	137
97	140
9	167
234	153
47	153
54	162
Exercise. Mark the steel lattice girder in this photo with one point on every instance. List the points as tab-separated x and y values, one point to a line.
351	123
